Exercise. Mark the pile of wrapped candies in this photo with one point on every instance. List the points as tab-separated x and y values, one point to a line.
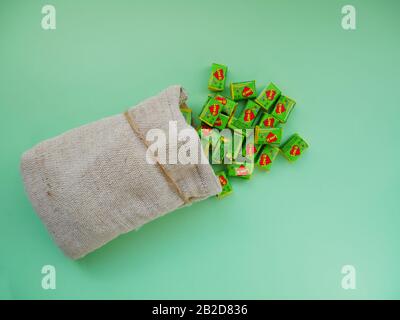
252	137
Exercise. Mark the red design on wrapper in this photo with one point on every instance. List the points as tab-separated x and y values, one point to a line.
271	137
264	160
269	122
218	122
221	99
219	74
205	130
242	171
270	94
295	151
214	109
251	149
280	108
248	115
222	180
247	92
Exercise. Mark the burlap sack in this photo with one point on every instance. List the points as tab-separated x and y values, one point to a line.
93	183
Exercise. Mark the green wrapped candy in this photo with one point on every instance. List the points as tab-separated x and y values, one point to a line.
225	184
223	152
283	108
228	106
237	124
211	111
268	96
251	150
294	147
216	82
243	90
267	157
221	122
242	170
268	121
249	113
268	135
208	136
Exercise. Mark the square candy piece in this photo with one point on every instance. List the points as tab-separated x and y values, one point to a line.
243	170
251	150
294	147
221	122
228	106
268	121
268	135
267	156
225	184
211	111
216	82
243	90
208	134
236	124
249	113
268	96
204	130
223	152
283	108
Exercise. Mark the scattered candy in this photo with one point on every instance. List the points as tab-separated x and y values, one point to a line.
217	77
267	156
268	96
243	170
268	135
221	122
249	113
293	148
243	90
208	136
225	184
283	108
268	121
233	141
251	150
236	124
228	106
211	111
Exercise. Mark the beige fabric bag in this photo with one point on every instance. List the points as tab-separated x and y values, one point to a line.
93	183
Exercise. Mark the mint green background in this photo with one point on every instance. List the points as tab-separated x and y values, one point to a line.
283	234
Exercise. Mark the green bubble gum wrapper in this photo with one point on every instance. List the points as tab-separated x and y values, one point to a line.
268	135
225	184
268	96
294	147
217	79
283	108
243	90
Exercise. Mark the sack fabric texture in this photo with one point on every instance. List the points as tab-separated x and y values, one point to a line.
93	183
